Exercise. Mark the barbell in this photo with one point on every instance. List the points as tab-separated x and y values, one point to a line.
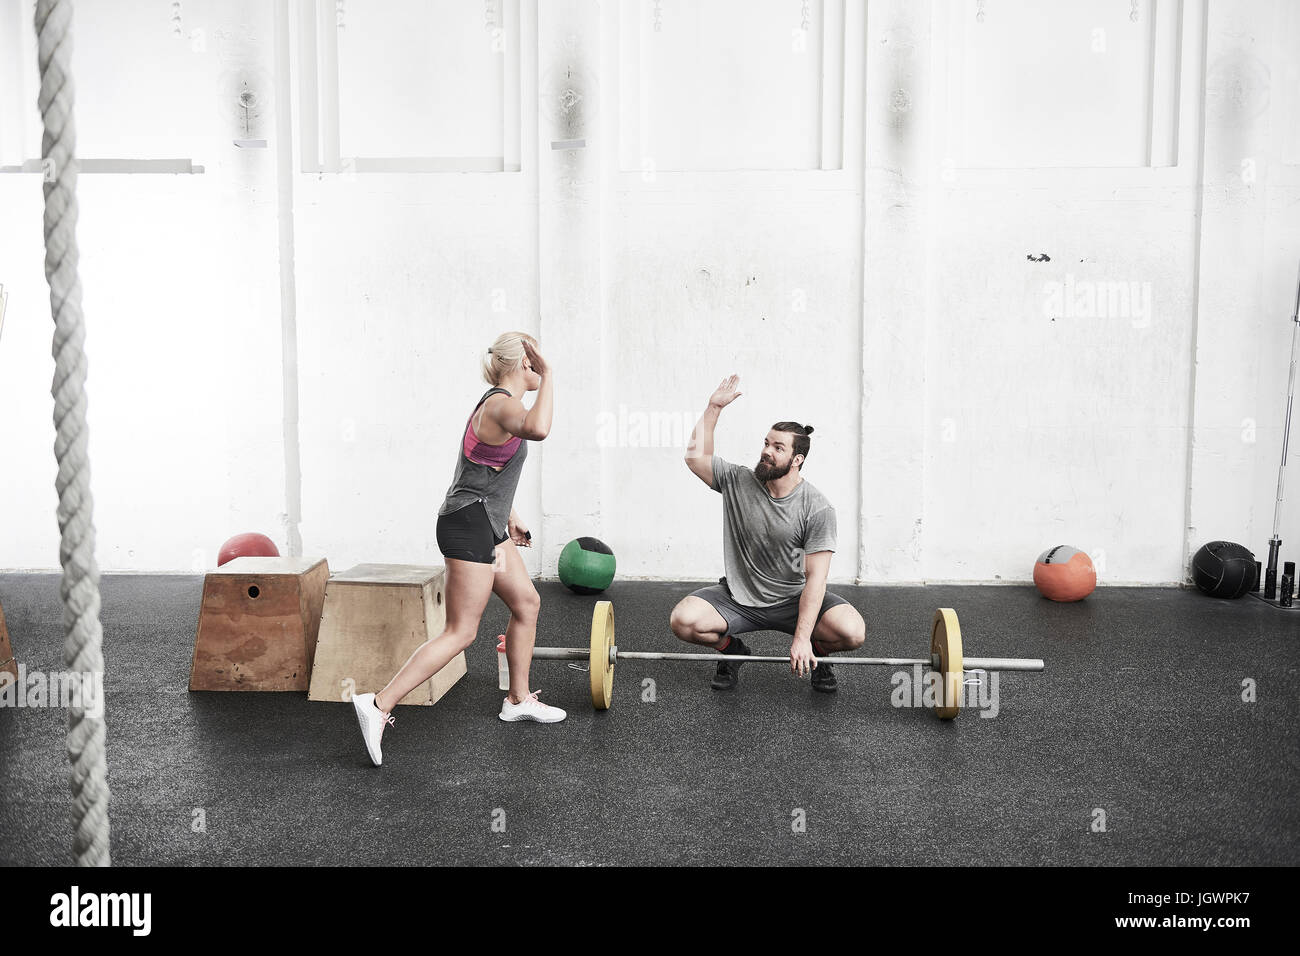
945	658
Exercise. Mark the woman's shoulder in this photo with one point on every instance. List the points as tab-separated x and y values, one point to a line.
497	399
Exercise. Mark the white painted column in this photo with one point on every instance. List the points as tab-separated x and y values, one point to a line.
569	152
899	171
1227	445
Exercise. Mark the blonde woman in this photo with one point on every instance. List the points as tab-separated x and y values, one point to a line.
479	535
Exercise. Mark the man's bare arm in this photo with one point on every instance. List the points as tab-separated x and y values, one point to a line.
816	568
699	453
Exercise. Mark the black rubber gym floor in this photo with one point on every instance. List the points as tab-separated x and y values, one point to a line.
1139	716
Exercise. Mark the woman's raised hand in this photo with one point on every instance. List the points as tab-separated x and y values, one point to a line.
535	359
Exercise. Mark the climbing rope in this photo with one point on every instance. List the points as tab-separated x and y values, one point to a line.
82	653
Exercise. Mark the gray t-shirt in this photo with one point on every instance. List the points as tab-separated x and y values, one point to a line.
764	539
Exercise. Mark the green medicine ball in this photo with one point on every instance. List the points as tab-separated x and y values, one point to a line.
586	566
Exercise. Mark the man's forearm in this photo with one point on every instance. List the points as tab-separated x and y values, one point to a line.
810	602
701	445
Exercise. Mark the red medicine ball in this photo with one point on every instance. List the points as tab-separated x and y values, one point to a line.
1064	573
249	545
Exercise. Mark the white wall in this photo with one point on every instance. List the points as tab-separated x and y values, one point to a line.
180	296
835	200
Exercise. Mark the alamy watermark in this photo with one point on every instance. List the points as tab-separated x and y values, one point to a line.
640	429
56	689
75	908
914	688
1087	299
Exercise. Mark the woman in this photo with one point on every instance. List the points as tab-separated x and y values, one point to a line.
479	535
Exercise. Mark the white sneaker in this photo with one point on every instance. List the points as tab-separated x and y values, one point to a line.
372	721
530	708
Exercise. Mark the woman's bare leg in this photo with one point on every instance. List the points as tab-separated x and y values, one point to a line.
469	585
513	586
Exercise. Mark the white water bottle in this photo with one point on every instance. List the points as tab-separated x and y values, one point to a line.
503	665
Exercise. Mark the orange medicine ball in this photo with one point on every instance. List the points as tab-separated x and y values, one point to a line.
1064	573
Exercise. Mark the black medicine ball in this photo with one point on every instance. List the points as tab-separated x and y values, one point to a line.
1224	569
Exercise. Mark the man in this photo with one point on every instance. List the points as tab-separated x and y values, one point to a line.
778	537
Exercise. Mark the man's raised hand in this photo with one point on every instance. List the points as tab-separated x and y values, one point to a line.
727	392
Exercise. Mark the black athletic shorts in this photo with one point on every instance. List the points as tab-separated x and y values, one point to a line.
741	618
466	534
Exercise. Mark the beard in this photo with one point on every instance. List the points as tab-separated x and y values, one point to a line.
768	472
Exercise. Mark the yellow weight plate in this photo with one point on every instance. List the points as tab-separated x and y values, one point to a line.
945	640
602	666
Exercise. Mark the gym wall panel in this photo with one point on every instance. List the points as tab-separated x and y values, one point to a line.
1056	83
184	344
1288	86
412	278
29	533
1061	301
17	50
759	282
1059	393
732	240
145	84
180	292
420	78
728	84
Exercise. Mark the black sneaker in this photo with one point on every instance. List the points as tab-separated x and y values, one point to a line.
724	678
823	678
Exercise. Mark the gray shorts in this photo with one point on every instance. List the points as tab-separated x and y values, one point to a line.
741	618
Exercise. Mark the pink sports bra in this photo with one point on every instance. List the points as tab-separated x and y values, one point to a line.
482	453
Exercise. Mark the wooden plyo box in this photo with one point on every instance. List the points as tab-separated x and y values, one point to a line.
7	662
375	616
258	624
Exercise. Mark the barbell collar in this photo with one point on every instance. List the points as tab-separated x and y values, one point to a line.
560	654
1002	664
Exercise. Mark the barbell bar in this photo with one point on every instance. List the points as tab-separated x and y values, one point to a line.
969	663
945	657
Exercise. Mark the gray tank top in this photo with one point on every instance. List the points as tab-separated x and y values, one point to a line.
474	482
